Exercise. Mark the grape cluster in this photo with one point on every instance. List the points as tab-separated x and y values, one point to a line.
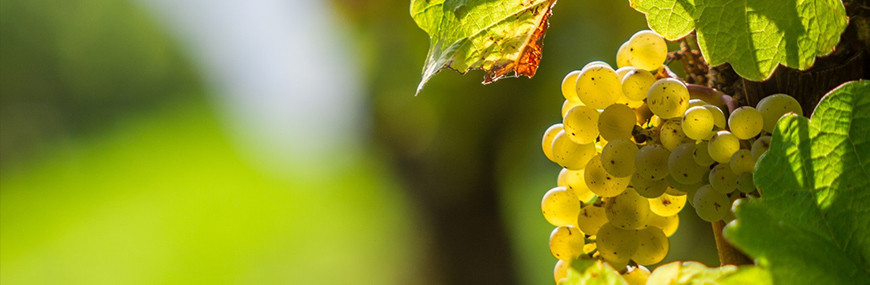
635	147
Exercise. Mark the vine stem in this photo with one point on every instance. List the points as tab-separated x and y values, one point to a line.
728	254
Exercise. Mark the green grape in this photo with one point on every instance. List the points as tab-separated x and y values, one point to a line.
615	245
722	146
616	122
591	218
575	181
581	124
674	192
566	243
718	116
647	50
617	157
637	276
560	207
636	84
569	86
742	161
627	210
682	166
697	123
671	134
598	86
668	224
652	246
570	154
568	104
745	183
668	98
711	205
697	102
774	106
652	162
622	56
667	205
723	179
648	188
602	183
760	146
547	141
701	155
745	122
561	270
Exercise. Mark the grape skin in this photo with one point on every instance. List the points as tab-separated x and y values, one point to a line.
652	162
668	98
671	134
667	224
760	146
598	86
566	243
618	157
569	86
701	155
569	154
637	276
648	188
667	205
745	184
574	180
581	124
774	106
682	166
718	116
697	123
622	56
627	210
560	207
652	246
616	245
722	179
567	105
616	122
722	146
711	205
561	270
547	140
742	161
602	183
647	50
745	122
636	84
591	219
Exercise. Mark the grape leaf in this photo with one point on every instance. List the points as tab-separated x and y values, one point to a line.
753	36
692	272
812	222
498	36
585	271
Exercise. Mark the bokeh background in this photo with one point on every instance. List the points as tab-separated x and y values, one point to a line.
276	142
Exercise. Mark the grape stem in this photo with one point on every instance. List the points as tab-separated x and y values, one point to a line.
728	254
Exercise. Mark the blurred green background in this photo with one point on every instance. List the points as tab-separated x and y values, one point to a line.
119	162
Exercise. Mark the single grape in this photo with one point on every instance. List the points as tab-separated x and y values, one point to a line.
561	179
667	205
697	123
561	270
575	181
627	210
648	188
636	84
711	205
723	179
647	50
668	98
719	120
570	154
622	56
616	245
616	122
598	86
701	155
742	161
591	218
567	105
618	157
652	246
637	276
745	183
569	87
581	124
566	243
671	134
682	166
560	207
745	122
697	102
722	146
652	162
774	106
760	146
547	140
668	224
595	63
602	183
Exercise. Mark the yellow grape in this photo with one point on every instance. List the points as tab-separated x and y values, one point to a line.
745	122
667	205
742	161
627	210
671	134
618	157
696	102
575	181
648	188
668	98
668	224
774	106
602	183
561	270
723	179
622	56
711	205
569	86
697	123
591	218
652	162
760	146
547	140
615	245
652	246
566	243
560	207
722	146
686	188
567	105
637	276
595	63
581	124
569	154
616	122
682	166
647	50
622	71
598	86
701	155
636	84
718	116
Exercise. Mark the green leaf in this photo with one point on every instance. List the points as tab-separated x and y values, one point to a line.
812	222
591	272
692	272
501	37
754	36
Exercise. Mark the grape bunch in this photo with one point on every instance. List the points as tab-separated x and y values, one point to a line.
635	146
